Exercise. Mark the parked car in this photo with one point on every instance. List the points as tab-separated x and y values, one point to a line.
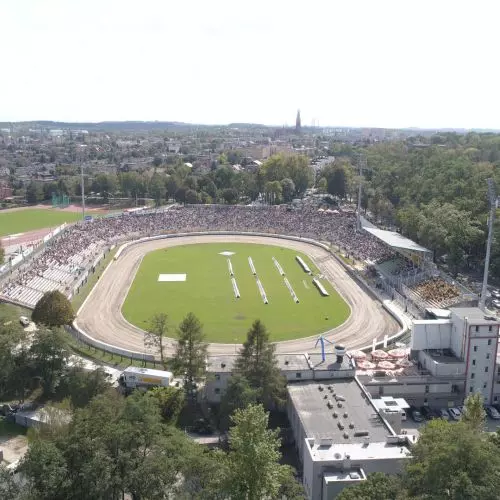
496	303
455	413
416	414
24	321
443	413
429	413
495	293
492	412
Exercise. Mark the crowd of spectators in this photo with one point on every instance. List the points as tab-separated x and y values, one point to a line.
437	290
337	228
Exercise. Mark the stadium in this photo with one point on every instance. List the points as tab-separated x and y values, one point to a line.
231	265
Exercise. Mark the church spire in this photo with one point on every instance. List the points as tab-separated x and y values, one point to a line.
298	124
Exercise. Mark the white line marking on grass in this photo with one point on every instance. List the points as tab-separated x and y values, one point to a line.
171	277
226	254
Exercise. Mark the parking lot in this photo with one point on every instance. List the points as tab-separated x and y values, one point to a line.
413	428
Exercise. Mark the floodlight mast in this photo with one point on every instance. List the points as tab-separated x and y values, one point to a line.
492	198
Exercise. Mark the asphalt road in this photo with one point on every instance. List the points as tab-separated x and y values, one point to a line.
101	317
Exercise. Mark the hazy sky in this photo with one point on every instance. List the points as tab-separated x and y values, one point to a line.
352	62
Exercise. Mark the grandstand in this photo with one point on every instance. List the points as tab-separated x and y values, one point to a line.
47	275
408	269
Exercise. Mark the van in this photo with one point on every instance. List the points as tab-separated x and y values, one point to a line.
403	415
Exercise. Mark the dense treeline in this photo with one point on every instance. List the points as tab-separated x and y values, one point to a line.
112	445
282	176
434	190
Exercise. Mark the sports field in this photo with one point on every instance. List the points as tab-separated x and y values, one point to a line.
22	221
208	292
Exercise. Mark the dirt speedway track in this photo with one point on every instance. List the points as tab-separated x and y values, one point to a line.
101	317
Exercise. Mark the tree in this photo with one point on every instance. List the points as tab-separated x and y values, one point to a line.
192	197
157	188
230	195
53	309
378	486
48	357
452	461
119	445
9	487
84	385
294	167
288	190
191	353
172	186
239	394
170	401
473	414
274	192
156	333
34	192
254	472
257	363
322	185
46	470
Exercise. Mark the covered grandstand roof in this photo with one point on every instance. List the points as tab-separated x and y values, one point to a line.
396	240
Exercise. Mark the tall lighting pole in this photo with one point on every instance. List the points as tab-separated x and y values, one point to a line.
492	199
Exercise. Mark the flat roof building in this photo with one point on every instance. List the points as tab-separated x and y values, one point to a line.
341	436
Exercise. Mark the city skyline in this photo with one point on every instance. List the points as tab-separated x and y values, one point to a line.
348	65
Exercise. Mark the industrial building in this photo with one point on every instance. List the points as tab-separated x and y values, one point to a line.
347	423
294	367
454	357
340	433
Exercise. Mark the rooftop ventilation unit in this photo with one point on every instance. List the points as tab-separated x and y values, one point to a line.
345	415
351	425
340	353
338	397
286	361
223	365
361	433
335	414
346	435
340	426
320	388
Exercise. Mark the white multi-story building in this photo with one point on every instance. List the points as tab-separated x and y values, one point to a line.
455	357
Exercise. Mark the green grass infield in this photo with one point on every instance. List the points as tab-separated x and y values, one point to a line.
208	292
22	221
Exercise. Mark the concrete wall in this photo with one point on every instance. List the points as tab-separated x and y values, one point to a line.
431	334
421	393
441	369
